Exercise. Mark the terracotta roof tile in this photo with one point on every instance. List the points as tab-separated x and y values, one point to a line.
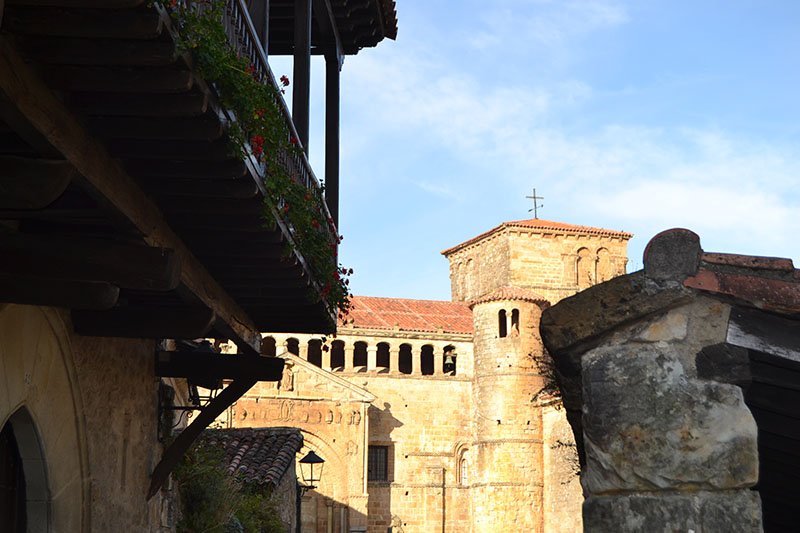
258	456
546	226
510	293
371	312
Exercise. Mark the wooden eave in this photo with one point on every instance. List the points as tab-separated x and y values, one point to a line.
359	24
130	146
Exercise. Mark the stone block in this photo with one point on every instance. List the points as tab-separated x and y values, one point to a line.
697	512
648	426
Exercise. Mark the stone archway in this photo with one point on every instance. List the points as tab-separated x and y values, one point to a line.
23	474
39	398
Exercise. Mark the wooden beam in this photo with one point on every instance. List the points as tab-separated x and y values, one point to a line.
326	21
200	365
109	183
302	70
765	332
204	128
192	104
125	265
332	66
96	24
30	290
93	4
94	52
120	79
169	189
227	169
28	183
172	455
145	322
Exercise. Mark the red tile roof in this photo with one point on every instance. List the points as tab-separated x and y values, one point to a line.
259	456
371	312
510	293
547	226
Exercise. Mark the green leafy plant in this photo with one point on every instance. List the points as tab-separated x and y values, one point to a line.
213	501
260	130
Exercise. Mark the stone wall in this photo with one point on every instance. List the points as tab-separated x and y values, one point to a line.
94	404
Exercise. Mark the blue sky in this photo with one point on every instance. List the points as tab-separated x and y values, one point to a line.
640	116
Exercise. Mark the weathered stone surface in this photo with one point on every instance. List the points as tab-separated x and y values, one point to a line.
672	254
697	512
670	327
648	426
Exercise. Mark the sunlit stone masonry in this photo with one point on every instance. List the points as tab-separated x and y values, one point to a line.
434	416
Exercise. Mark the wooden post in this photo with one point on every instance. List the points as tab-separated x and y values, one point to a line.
302	69
332	98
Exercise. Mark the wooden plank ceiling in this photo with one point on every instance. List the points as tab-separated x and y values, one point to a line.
123	149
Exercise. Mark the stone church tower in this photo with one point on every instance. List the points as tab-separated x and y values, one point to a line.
509	275
430	414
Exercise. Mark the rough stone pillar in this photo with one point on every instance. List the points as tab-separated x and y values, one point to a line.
326	359
372	364
438	360
394	359
665	450
302	348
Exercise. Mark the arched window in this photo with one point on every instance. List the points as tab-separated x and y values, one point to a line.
605	269
463	467
502	324
315	352
382	355
449	362
293	346
337	355
515	322
584	275
360	354
268	346
405	361
426	360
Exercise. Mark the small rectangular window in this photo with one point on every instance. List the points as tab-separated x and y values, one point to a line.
378	463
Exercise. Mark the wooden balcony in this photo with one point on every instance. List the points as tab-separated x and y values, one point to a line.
120	196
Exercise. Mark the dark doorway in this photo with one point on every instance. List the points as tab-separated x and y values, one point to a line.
12	484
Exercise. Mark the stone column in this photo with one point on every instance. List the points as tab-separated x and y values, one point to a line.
438	360
348	357
302	348
416	360
326	358
372	352
394	359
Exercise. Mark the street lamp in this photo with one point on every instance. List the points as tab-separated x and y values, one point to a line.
310	476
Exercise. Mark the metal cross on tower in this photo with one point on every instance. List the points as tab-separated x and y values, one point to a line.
536	205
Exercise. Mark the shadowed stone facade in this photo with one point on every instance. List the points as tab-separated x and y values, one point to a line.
430	415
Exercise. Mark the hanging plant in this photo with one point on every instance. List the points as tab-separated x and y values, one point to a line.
260	130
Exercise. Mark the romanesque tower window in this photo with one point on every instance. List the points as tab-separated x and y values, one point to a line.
268	346
405	362
293	346
315	352
426	360
515	323
337	355
463	472
382	355
502	324
360	354
378	463
605	269
584	269
449	362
